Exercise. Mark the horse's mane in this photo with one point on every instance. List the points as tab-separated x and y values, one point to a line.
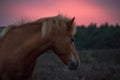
47	24
56	21
6	30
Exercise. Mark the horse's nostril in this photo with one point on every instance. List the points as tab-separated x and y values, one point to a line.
73	65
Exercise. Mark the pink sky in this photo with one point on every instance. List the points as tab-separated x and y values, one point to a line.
84	11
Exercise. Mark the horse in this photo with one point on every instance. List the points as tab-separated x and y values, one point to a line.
21	45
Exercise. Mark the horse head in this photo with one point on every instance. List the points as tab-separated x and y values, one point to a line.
63	43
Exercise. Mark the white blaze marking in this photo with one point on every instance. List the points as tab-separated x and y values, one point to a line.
73	58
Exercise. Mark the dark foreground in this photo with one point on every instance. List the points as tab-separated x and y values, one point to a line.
95	65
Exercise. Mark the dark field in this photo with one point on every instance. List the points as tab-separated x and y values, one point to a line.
95	65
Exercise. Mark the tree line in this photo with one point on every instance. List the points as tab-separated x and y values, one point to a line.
104	36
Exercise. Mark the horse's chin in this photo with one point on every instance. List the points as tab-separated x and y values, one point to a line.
72	68
67	68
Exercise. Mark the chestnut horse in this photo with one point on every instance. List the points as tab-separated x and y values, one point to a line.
21	45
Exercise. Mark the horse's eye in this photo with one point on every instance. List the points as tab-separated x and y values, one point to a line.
72	40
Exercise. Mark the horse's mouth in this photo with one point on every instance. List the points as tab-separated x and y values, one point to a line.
73	65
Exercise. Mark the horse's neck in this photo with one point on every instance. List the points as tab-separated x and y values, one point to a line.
25	40
34	47
22	47
44	46
31	28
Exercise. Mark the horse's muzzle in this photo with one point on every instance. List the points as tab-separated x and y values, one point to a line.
73	65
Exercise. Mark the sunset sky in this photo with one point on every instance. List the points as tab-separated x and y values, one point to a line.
85	11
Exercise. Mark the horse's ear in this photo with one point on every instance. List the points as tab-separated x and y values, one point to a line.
70	24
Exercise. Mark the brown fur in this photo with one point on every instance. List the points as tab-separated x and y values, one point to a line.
22	45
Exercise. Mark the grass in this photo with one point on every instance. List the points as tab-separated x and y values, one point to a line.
95	65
